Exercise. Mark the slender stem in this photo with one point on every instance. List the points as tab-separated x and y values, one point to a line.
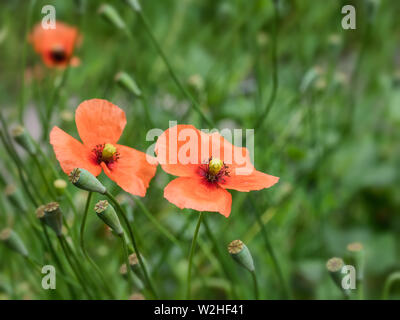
222	259
193	246
256	291
43	176
76	272
271	251
195	104
132	237
23	64
83	248
388	284
161	228
274	57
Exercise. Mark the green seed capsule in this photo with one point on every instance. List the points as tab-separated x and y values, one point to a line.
53	217
83	179
106	212
12	240
22	137
241	254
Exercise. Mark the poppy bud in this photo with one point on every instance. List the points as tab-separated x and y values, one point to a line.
241	254
109	13
60	185
22	137
53	217
106	212
83	179
15	197
13	241
128	83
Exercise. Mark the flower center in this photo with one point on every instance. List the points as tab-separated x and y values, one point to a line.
58	54
106	153
214	171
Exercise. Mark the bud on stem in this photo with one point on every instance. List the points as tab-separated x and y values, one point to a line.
22	137
12	240
53	217
106	212
128	83
241	254
83	179
109	13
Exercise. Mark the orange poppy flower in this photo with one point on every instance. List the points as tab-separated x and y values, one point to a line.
207	165
56	46
100	125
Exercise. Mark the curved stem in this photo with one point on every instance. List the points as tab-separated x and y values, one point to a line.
83	248
132	237
160	227
388	284
256	292
195	104
76	272
189	274
274	57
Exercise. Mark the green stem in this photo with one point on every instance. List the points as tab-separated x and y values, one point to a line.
73	267
132	237
271	252
83	248
43	176
388	284
222	259
195	104
161	228
21	110
256	292
193	246
274	57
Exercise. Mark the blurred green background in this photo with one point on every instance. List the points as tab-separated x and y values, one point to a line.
331	135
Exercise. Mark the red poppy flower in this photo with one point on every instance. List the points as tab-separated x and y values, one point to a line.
56	46
206	165
100	124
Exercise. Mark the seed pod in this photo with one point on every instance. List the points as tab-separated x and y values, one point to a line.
241	254
128	83
106	212
334	266
356	249
15	197
83	179
23	138
53	217
12	240
110	14
40	212
134	278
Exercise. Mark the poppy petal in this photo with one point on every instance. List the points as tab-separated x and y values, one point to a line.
192	193
179	152
132	171
99	121
71	153
255	181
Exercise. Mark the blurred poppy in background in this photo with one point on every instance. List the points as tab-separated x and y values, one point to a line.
56	46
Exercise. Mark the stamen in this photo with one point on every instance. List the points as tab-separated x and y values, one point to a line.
215	166
214	171
108	151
